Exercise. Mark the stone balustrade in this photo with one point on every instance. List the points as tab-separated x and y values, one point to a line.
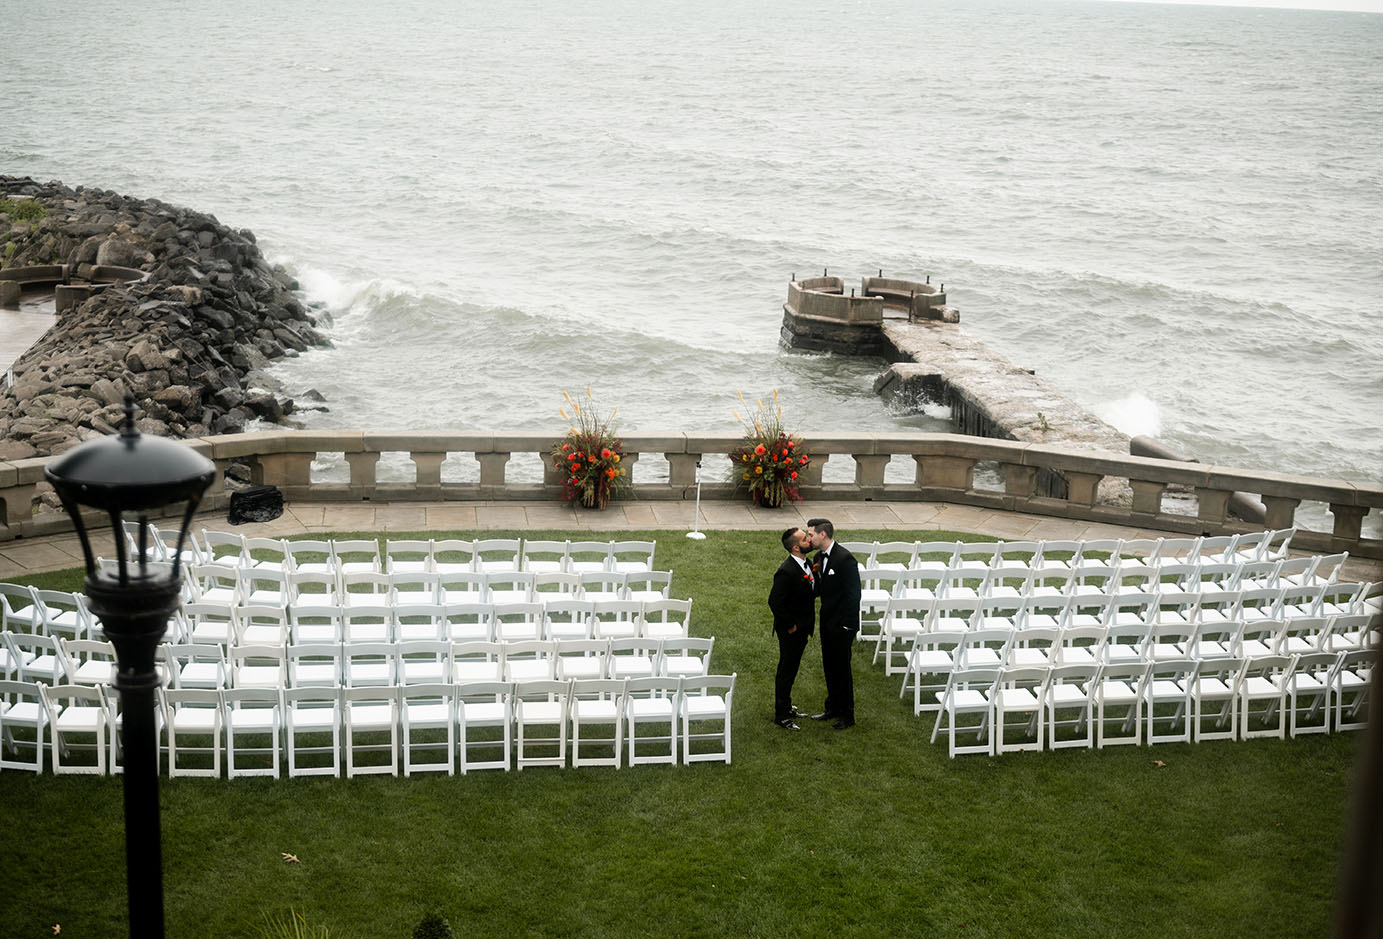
943	470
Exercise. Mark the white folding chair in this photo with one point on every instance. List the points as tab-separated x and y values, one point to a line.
469	621
685	658
407	556
477	660
87	661
453	556
544	557
1351	684
196	715
369	664
258	666
423	662
309	588
371	714
498	555
599	586
706	708
632	557
312	731
933	654
566	619
23	725
586	556
650	714
420	621
1216	681
225	547
78	718
1069	703
17	608
428	723
1268	681
968	692
540	703
267	554
357	556
253	722
367	624
316	622
503	587
1309	693
314	665
63	615
1021	690
616	619
1170	686
1119	695
647	586
632	657
309	555
407	588
255	625
518	621
668	618
596	703
485	705
528	660
902	621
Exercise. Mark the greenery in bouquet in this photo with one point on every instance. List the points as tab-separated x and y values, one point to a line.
770	461
589	456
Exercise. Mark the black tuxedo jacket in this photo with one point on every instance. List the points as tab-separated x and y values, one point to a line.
838	585
792	599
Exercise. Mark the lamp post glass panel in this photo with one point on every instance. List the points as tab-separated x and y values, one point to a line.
128	476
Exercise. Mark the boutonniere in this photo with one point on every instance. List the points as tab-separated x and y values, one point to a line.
806	575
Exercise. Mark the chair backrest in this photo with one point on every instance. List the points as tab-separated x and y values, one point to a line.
414	587
17	608
407	556
267	552
709	685
224	547
585	556
539	651
630	556
544	556
309	554
357	555
659	615
567	616
582	651
498	554
315	621
312	587
314	663
889	555
453	555
548	584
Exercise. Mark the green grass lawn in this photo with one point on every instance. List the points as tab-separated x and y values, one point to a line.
869	832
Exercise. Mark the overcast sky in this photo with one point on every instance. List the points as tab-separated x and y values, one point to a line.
1367	6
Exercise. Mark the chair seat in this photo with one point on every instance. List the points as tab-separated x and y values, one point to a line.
631	666
1256	686
650	708
542	712
1016	699
249	719
1211	687
313	718
583	666
194	720
1117	692
475	671
419	673
965	699
369	714
484	713
527	669
683	666
317	676
599	712
81	719
1063	694
427	715
708	706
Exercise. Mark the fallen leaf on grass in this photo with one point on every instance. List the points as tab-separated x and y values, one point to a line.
291	859
57	928
1159	764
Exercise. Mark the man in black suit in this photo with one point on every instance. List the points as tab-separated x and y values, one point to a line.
793	602
838	585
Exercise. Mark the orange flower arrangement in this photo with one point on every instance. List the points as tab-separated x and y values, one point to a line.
770	461
589	456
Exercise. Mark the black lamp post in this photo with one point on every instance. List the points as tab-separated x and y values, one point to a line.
133	596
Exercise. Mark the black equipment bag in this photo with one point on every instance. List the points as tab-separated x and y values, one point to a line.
255	504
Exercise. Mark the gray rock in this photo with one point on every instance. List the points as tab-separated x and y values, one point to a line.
119	253
107	391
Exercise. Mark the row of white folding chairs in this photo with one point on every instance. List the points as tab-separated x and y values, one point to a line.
937	654
1178	700
198	665
432	727
904	619
437	555
224	583
877	588
550	619
55	612
940	555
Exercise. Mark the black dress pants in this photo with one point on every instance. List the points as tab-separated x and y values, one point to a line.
836	646
790	649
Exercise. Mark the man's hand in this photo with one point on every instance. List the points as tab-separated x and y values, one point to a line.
792	629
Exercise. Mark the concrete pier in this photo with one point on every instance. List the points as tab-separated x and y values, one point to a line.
934	360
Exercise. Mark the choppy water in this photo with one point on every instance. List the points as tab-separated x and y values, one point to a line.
1171	212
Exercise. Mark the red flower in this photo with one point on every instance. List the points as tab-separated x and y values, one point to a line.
759	450
610	474
794	474
605	454
566	446
804	461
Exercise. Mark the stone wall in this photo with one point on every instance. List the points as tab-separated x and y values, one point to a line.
188	342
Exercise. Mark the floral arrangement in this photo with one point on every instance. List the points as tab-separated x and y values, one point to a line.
589	456
770	460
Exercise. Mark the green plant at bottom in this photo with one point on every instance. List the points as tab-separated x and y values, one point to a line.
292	926
24	210
433	926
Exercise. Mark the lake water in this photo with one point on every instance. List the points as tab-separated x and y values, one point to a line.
1173	213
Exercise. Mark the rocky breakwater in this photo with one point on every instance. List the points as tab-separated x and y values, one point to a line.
189	342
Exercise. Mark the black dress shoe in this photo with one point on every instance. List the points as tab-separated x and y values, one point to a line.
787	723
845	723
795	711
823	716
